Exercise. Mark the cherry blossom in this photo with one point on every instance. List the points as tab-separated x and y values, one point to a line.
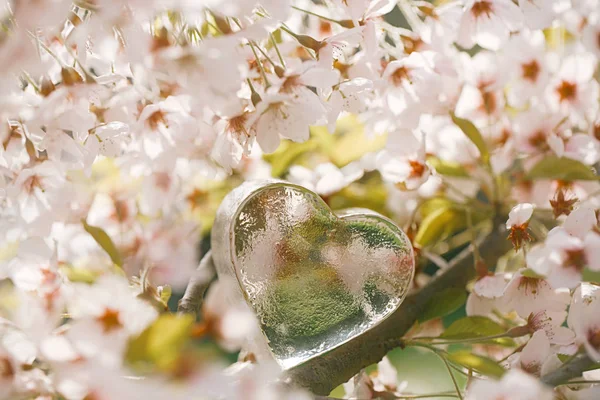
488	23
536	357
518	222
583	317
567	250
572	92
539	15
123	124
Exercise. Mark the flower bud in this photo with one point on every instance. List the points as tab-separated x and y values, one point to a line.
70	76
46	86
309	42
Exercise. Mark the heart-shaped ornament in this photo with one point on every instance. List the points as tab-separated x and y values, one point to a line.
314	279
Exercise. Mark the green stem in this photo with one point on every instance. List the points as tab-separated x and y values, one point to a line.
43	45
453	378
411	17
458	369
579	383
31	82
289	31
277	50
442	355
428	395
265	54
260	66
316	15
476	255
470	340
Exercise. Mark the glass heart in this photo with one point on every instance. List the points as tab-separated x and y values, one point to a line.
315	279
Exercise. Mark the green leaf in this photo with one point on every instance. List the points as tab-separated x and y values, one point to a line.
447	168
287	153
477	363
443	303
473	134
472	327
83	275
105	242
165	294
529	273
590	276
351	143
161	343
439	223
564	357
561	168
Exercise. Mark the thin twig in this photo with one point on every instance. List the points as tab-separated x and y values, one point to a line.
411	16
335	21
277	49
426	396
459	394
265	55
569	370
192	299
260	66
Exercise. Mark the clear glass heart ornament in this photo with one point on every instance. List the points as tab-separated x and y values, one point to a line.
315	279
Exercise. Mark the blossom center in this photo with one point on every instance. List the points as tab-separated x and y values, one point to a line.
110	320
531	70
400	75
6	368
596	131
575	259
488	103
482	7
594	338
324	28
31	183
196	198
561	205
538	140
411	44
121	212
162	180
566	91
417	168
155	119
237	124
290	83
529	284
518	236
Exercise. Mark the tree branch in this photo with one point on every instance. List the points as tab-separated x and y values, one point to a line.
323	374
192	299
568	371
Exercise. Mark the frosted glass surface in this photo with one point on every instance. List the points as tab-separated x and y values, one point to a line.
316	280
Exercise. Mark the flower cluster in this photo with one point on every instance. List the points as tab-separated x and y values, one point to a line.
123	124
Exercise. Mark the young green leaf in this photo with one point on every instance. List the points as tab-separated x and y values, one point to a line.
590	276
439	223
477	363
161	343
443	303
105	242
472	327
561	168
447	168
473	134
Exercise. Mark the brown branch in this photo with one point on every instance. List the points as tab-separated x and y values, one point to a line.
568	371
192	299
323	374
